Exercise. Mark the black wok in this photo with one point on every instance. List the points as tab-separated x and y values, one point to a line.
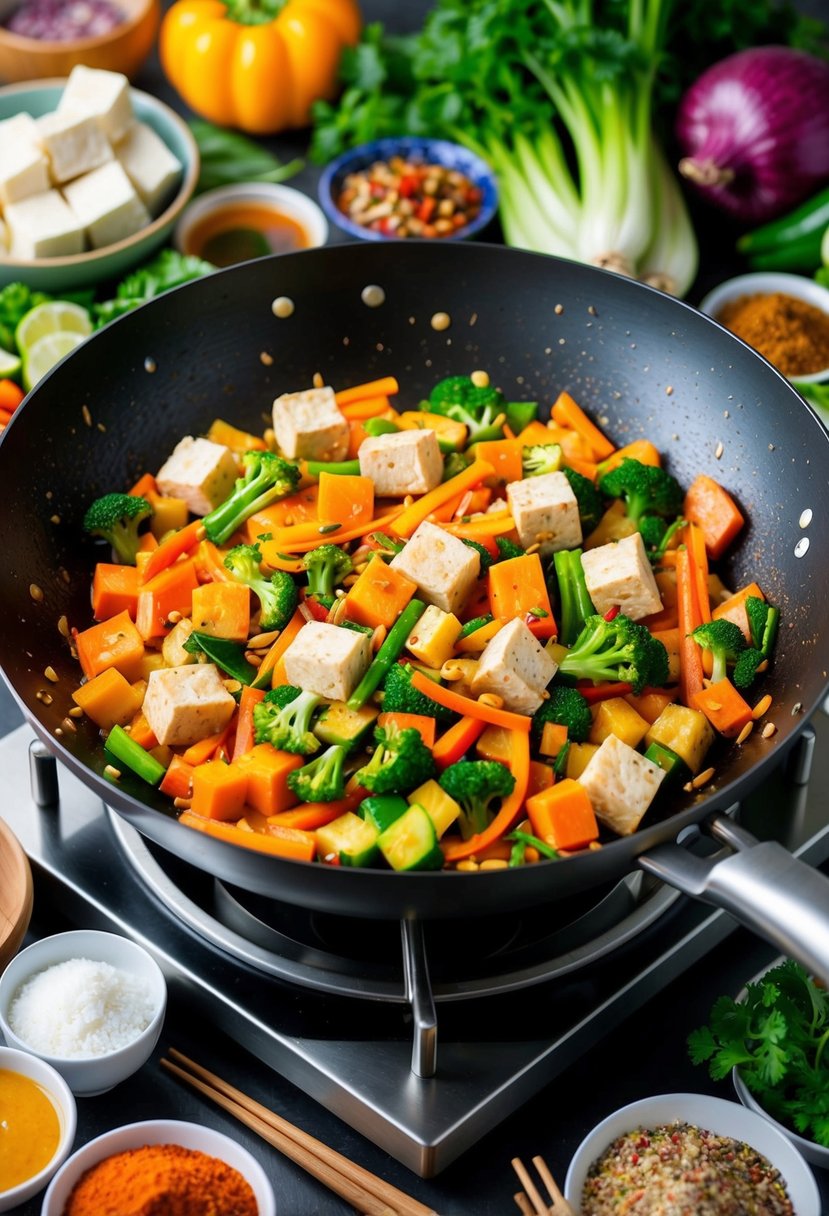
644	364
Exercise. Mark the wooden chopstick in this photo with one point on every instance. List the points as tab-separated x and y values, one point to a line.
369	1194
560	1204
524	1204
539	1207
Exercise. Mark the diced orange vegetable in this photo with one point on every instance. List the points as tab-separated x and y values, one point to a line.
410	517
542	777
616	716
200	752
567	413
734	608
222	610
170	515
640	449
505	457
147	544
278	841
312	815
368	407
114	642
666	618
690	657
457	850
712	508
145	487
494	744
231	437
424	725
386	386
244	739
652	701
11	395
209	562
455	742
379	595
171	549
345	500
140	730
266	770
670	640
517	588
553	738
114	590
587	468
297	508
573	445
170	591
479	637
108	699
563	816
724	708
178	780
219	790
518	723
534	432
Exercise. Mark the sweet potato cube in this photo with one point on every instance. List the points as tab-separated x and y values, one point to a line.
222	610
553	738
495	744
297	508
651	703
541	778
266	771
616	717
734	608
116	643
517	589
724	708
219	790
685	731
345	500
169	515
563	816
171	590
114	590
108	699
379	595
579	756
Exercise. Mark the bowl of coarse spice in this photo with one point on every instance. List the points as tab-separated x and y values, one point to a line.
785	317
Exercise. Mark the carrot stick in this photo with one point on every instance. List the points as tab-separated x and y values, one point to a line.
567	413
496	524
11	395
408	520
249	698
469	708
457	740
172	548
200	753
312	815
144	487
280	645
700	565
593	693
299	538
386	386
359	411
690	657
457	850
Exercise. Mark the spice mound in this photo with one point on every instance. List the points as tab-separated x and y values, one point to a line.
681	1170
162	1180
790	333
81	1008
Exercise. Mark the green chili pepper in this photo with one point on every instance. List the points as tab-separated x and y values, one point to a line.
342	468
134	756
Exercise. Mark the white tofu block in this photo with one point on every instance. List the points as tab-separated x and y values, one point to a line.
327	660
621	784
199	471
444	568
104	96
516	667
74	144
43	226
150	166
107	205
406	462
185	704
619	573
24	169
308	424
546	512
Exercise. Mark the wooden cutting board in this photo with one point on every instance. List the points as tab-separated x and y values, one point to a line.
15	894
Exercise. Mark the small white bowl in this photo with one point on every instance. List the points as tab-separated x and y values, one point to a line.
88	1075
291	203
60	1093
765	283
159	1131
713	1115
816	1153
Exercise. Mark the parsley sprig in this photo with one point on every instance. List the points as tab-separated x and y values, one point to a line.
778	1037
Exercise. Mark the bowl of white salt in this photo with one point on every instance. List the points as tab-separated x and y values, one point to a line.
89	1003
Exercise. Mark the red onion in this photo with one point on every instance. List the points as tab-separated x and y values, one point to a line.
755	128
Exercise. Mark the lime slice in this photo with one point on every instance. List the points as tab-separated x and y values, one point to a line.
824	247
9	364
45	353
56	316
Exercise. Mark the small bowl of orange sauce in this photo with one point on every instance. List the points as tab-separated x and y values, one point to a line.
38	1118
233	224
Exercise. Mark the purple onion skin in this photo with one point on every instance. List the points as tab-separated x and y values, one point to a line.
755	131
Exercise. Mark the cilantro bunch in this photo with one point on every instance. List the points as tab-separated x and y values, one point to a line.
778	1037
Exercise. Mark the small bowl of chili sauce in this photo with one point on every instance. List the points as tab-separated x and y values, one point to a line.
233	224
409	188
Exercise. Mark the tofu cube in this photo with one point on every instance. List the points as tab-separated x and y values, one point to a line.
24	169
104	96
444	568
327	659
308	424
185	704
43	226
516	667
107	205
619	574
150	166
74	144
199	471
406	462
545	512
433	638
621	784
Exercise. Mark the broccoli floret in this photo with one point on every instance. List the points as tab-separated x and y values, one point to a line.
657	537
400	698
321	780
589	501
400	763
283	719
507	548
265	478
277	595
646	489
745	669
575	604
620	649
481	410
476	784
567	707
725	642
763	620
477	622
326	566
540	458
116	518
454	463
483	553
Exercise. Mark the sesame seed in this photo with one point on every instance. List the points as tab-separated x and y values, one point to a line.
51	674
36	593
762	707
768	730
265	358
745	732
702	778
76	712
718	451
44	696
87	417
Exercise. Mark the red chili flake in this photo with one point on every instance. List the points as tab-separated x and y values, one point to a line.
612	612
634	1158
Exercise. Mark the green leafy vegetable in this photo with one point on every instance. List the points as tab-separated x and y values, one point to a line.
169	269
16	299
228	157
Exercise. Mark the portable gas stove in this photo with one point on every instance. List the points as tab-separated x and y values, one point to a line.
421	1036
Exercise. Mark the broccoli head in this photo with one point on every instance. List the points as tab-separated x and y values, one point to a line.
567	707
265	478
588	499
322	779
507	548
400	698
725	642
477	785
646	489
454	463
400	763
620	649
745	669
277	595
480	409
326	566
283	719
763	620
540	458
483	553
116	518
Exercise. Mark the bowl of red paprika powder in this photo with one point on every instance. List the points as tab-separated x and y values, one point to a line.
191	1167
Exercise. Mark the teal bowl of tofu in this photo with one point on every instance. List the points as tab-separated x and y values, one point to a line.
93	177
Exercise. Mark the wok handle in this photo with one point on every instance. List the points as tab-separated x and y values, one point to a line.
767	889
